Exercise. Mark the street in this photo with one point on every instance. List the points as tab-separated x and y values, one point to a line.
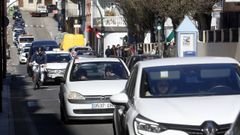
36	112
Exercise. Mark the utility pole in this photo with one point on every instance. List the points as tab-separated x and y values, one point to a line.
1	44
79	16
102	31
159	36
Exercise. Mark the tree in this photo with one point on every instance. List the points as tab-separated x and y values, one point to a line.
140	15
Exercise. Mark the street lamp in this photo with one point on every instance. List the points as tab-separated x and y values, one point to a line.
101	29
79	16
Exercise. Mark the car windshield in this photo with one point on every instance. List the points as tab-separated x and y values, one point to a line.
26	50
98	71
58	58
135	59
190	80
26	40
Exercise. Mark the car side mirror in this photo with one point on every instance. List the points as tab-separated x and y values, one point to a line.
119	99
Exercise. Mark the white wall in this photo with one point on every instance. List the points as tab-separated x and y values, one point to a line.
113	39
29	6
12	3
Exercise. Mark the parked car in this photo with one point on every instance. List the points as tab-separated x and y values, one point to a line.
179	96
48	45
87	86
56	65
51	7
132	60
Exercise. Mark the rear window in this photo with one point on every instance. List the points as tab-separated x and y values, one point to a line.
26	40
190	80
47	45
58	58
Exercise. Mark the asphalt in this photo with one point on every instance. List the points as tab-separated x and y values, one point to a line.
6	116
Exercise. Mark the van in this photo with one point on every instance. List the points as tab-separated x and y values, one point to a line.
71	40
48	45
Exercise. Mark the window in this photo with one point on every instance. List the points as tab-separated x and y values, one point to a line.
30	1
39	1
130	88
190	80
99	71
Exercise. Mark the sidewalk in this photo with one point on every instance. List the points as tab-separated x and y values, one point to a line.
6	117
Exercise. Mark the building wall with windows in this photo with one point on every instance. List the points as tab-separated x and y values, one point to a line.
108	14
31	5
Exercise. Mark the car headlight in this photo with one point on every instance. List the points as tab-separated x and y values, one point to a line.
61	71
72	95
143	126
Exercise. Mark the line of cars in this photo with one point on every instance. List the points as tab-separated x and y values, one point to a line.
199	94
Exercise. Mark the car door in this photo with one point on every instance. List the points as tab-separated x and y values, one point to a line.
130	90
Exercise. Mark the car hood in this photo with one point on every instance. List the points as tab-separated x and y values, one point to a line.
190	110
106	87
56	65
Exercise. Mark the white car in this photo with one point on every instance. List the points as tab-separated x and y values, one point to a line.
81	50
179	96
86	89
235	127
24	39
23	55
56	65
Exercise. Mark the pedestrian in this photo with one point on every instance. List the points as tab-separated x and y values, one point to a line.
119	51
113	49
108	51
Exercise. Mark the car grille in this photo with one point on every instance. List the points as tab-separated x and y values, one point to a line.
196	130
93	99
93	111
98	97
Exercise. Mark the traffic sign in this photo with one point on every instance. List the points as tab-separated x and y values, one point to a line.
98	35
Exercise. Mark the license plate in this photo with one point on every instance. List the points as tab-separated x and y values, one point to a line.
102	105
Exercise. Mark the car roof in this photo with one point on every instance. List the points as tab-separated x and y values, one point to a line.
56	52
26	36
96	60
187	61
44	41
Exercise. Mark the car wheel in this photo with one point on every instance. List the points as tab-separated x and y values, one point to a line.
63	116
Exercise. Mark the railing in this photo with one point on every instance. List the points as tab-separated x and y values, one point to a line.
110	21
223	35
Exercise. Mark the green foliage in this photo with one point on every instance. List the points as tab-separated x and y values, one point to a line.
140	15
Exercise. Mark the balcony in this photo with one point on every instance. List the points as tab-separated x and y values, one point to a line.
110	21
